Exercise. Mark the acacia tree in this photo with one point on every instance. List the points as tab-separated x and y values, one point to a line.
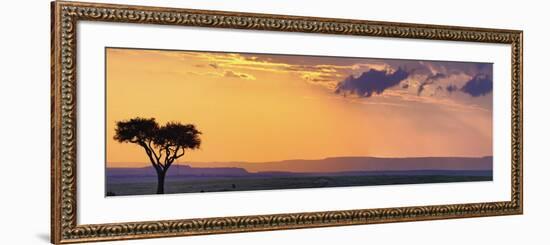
162	144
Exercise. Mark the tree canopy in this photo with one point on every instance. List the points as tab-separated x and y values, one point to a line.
163	144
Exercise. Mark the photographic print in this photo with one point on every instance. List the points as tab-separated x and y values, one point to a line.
323	111
201	121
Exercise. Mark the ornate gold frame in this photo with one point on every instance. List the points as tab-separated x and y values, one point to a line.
65	16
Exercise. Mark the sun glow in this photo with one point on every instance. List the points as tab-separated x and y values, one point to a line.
258	108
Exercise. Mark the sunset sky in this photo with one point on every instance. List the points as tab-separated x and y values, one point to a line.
259	107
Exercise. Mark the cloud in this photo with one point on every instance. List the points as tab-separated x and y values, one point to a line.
436	76
225	73
430	80
370	82
451	88
420	77
232	74
480	84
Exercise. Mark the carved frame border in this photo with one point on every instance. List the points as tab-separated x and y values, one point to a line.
65	16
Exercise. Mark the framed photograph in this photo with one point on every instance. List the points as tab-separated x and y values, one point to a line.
175	122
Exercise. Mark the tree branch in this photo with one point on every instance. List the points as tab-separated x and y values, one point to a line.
172	158
166	158
175	156
153	150
150	155
180	155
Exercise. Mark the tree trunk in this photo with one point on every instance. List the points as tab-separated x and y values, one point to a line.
160	183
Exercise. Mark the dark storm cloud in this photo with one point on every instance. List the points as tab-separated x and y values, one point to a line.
447	68
436	77
370	82
421	88
484	67
451	88
479	85
430	80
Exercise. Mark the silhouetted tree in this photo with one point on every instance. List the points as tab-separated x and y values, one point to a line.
162	144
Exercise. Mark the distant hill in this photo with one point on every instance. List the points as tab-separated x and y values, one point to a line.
341	164
333	165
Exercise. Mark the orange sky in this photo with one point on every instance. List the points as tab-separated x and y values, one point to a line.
256	108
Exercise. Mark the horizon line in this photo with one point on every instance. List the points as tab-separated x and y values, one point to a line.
302	159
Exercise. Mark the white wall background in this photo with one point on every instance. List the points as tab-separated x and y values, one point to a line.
25	108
